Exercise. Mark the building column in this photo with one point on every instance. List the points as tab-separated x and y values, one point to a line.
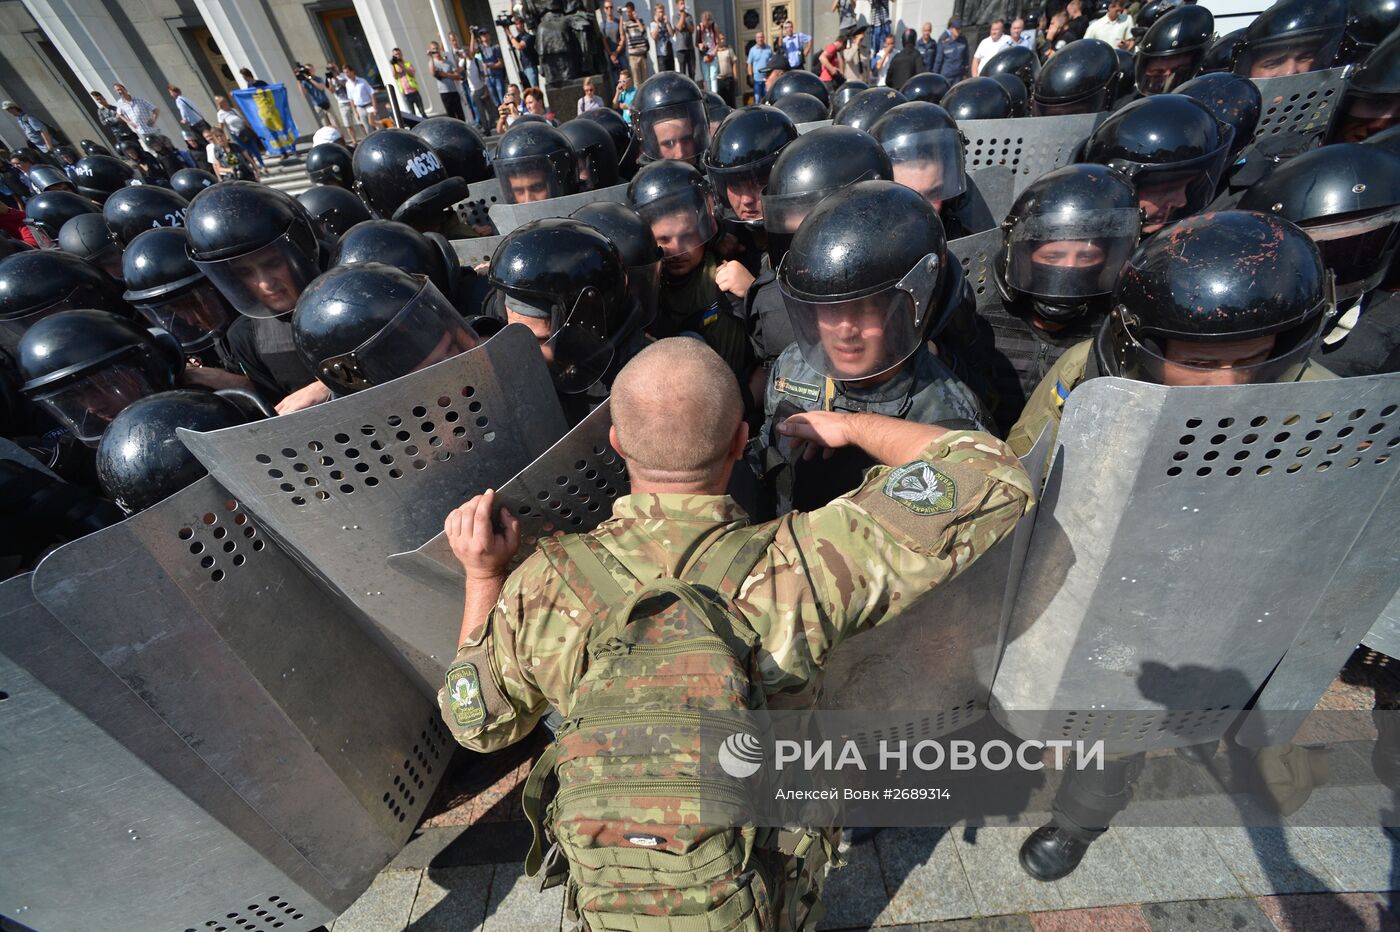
248	39
390	24
94	46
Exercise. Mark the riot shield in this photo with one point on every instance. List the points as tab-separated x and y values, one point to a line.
808	127
1182	543
1299	103
507	217
473	252
989	196
976	253
1384	635
938	658
570	489
253	707
1029	146
475	210
348	482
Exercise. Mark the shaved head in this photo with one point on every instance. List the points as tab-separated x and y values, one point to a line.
675	411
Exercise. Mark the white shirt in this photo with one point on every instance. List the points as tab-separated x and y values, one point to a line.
988	47
1110	32
361	94
473	72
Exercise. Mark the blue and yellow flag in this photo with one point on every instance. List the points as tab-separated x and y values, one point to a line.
269	116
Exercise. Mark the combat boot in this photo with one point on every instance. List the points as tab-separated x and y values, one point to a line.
1052	852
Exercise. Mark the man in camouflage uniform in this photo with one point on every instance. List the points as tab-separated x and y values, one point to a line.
829	574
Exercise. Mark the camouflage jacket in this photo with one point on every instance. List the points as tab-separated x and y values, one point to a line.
829	574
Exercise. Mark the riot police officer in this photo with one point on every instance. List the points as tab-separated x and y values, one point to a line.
88	237
1292	37
637	247
1171	52
850	89
596	153
535	162
48	178
331	163
369	323
336	209
715	110
1172	147
37	283
187	182
1371	101
796	82
1016	60
669	115
401	178
867	286
460	147
99	176
1079	78
741	156
868	106
171	293
927	86
134	210
804	108
403	247
624	142
47	213
1234	100
926	152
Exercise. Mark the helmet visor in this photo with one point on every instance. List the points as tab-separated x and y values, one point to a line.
1296	53
265	282
1096	101
931	163
1076	256
679	131
424	332
859	338
194	317
12	328
579	350
644	285
86	406
1164	73
740	189
1360	116
1166	193
1277	357
595	170
682	221
1357	250
530	179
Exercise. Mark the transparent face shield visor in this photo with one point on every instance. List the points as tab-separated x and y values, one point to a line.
644	285
681	222
530	179
1277	358
1164	73
784	213
577	349
1361	116
86	406
1070	258
265	282
931	163
740	190
1096	101
1358	250
426	331
1301	52
861	338
1166	193
12	328
194	317
595	170
680	131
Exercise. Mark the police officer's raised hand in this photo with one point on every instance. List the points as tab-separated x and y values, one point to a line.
732	277
483	552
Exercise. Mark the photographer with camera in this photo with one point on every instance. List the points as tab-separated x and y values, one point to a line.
335	81
495	65
314	89
408	83
523	41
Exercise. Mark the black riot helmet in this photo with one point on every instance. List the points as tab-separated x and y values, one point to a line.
1221	55
843	95
255	243
1124	90
1228	298
716	110
48	178
334	208
1016	60
1172	50
925	150
1234	100
141	461
138	208
87	236
9	245
873	252
637	247
1368	23
797	82
669	114
330	163
977	99
1371	101
809	169
1292	37
677	203
84	367
1064	241
92	147
1151	12
802	108
597	155
535	163
1080	78
401	246
38	283
460	147
170	291
1016	91
568	273
741	156
48	212
366	324
1171	146
868	106
1347	198
926	85
187	182
626	144
401	178
99	176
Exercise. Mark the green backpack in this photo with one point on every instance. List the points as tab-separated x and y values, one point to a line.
625	823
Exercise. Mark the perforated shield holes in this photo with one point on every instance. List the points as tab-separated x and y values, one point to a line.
262	916
222	540
1296	444
1029	146
1298	103
475	210
474	252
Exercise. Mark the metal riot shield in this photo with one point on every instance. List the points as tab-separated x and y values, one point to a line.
1384	635
976	253
940	655
570	489
475	210
262	702
474	252
808	127
1299	103
1029	146
1183	541
348	482
507	217
989	197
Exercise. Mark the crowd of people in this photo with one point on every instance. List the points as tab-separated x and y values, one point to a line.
769	311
